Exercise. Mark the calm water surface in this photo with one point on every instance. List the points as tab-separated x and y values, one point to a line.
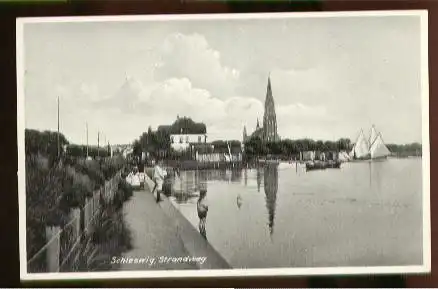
364	214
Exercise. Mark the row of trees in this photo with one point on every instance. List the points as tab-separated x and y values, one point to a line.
413	149
156	142
45	143
80	151
152	142
256	147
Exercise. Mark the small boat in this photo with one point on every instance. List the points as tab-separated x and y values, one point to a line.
316	165
322	165
334	164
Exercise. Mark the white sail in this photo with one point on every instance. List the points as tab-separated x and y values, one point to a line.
343	156
378	148
373	135
361	147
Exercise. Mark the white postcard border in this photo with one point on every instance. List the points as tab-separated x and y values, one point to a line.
425	268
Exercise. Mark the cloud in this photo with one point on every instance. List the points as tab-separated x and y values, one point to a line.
191	56
160	103
177	96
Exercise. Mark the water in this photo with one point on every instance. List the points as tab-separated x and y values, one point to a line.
364	214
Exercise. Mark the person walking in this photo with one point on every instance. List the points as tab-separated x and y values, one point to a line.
158	179
202	207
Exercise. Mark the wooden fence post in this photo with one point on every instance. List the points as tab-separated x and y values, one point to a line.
53	249
76	215
87	215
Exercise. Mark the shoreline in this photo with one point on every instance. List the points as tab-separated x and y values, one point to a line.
191	239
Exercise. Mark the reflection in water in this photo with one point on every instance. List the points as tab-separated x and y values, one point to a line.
341	204
191	184
236	175
239	201
187	185
271	188
375	172
259	179
370	170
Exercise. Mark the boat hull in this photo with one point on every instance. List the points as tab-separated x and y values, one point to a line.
323	165
378	159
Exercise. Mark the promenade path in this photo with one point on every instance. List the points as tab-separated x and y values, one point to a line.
154	234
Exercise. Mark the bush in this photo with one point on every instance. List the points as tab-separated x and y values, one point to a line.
43	200
91	168
54	186
77	187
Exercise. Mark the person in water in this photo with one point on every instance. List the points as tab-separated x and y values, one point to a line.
158	179
202	207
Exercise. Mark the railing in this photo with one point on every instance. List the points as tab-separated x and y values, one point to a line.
60	253
41	262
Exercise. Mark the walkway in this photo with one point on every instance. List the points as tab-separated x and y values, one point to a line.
153	234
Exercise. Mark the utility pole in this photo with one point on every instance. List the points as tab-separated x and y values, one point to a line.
104	141
98	144
86	126
58	132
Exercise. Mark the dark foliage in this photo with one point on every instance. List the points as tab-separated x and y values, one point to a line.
54	184
184	125
413	149
255	146
93	151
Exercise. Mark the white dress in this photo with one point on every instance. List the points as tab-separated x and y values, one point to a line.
159	175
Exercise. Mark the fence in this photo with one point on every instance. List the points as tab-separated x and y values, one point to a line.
61	252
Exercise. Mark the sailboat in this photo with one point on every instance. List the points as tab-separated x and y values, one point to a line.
372	149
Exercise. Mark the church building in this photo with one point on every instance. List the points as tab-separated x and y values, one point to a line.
267	133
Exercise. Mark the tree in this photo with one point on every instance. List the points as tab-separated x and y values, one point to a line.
137	149
44	143
184	125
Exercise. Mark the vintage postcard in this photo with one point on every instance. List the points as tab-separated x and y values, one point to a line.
223	145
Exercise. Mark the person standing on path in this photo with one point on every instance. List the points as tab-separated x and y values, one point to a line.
158	179
202	207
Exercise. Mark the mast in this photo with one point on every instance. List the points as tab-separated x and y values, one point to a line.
373	135
86	127
98	144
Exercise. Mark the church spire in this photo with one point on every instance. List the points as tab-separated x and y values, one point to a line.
269	90
245	136
269	117
258	125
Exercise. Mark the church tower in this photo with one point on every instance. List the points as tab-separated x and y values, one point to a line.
269	117
245	136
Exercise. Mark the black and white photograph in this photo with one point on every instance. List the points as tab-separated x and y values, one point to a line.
223	145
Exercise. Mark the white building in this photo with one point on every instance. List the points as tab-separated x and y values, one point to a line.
181	142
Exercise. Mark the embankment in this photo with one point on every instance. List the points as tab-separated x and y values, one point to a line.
194	243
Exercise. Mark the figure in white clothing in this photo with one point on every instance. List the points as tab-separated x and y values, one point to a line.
159	175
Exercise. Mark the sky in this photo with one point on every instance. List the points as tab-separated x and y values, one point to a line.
331	77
